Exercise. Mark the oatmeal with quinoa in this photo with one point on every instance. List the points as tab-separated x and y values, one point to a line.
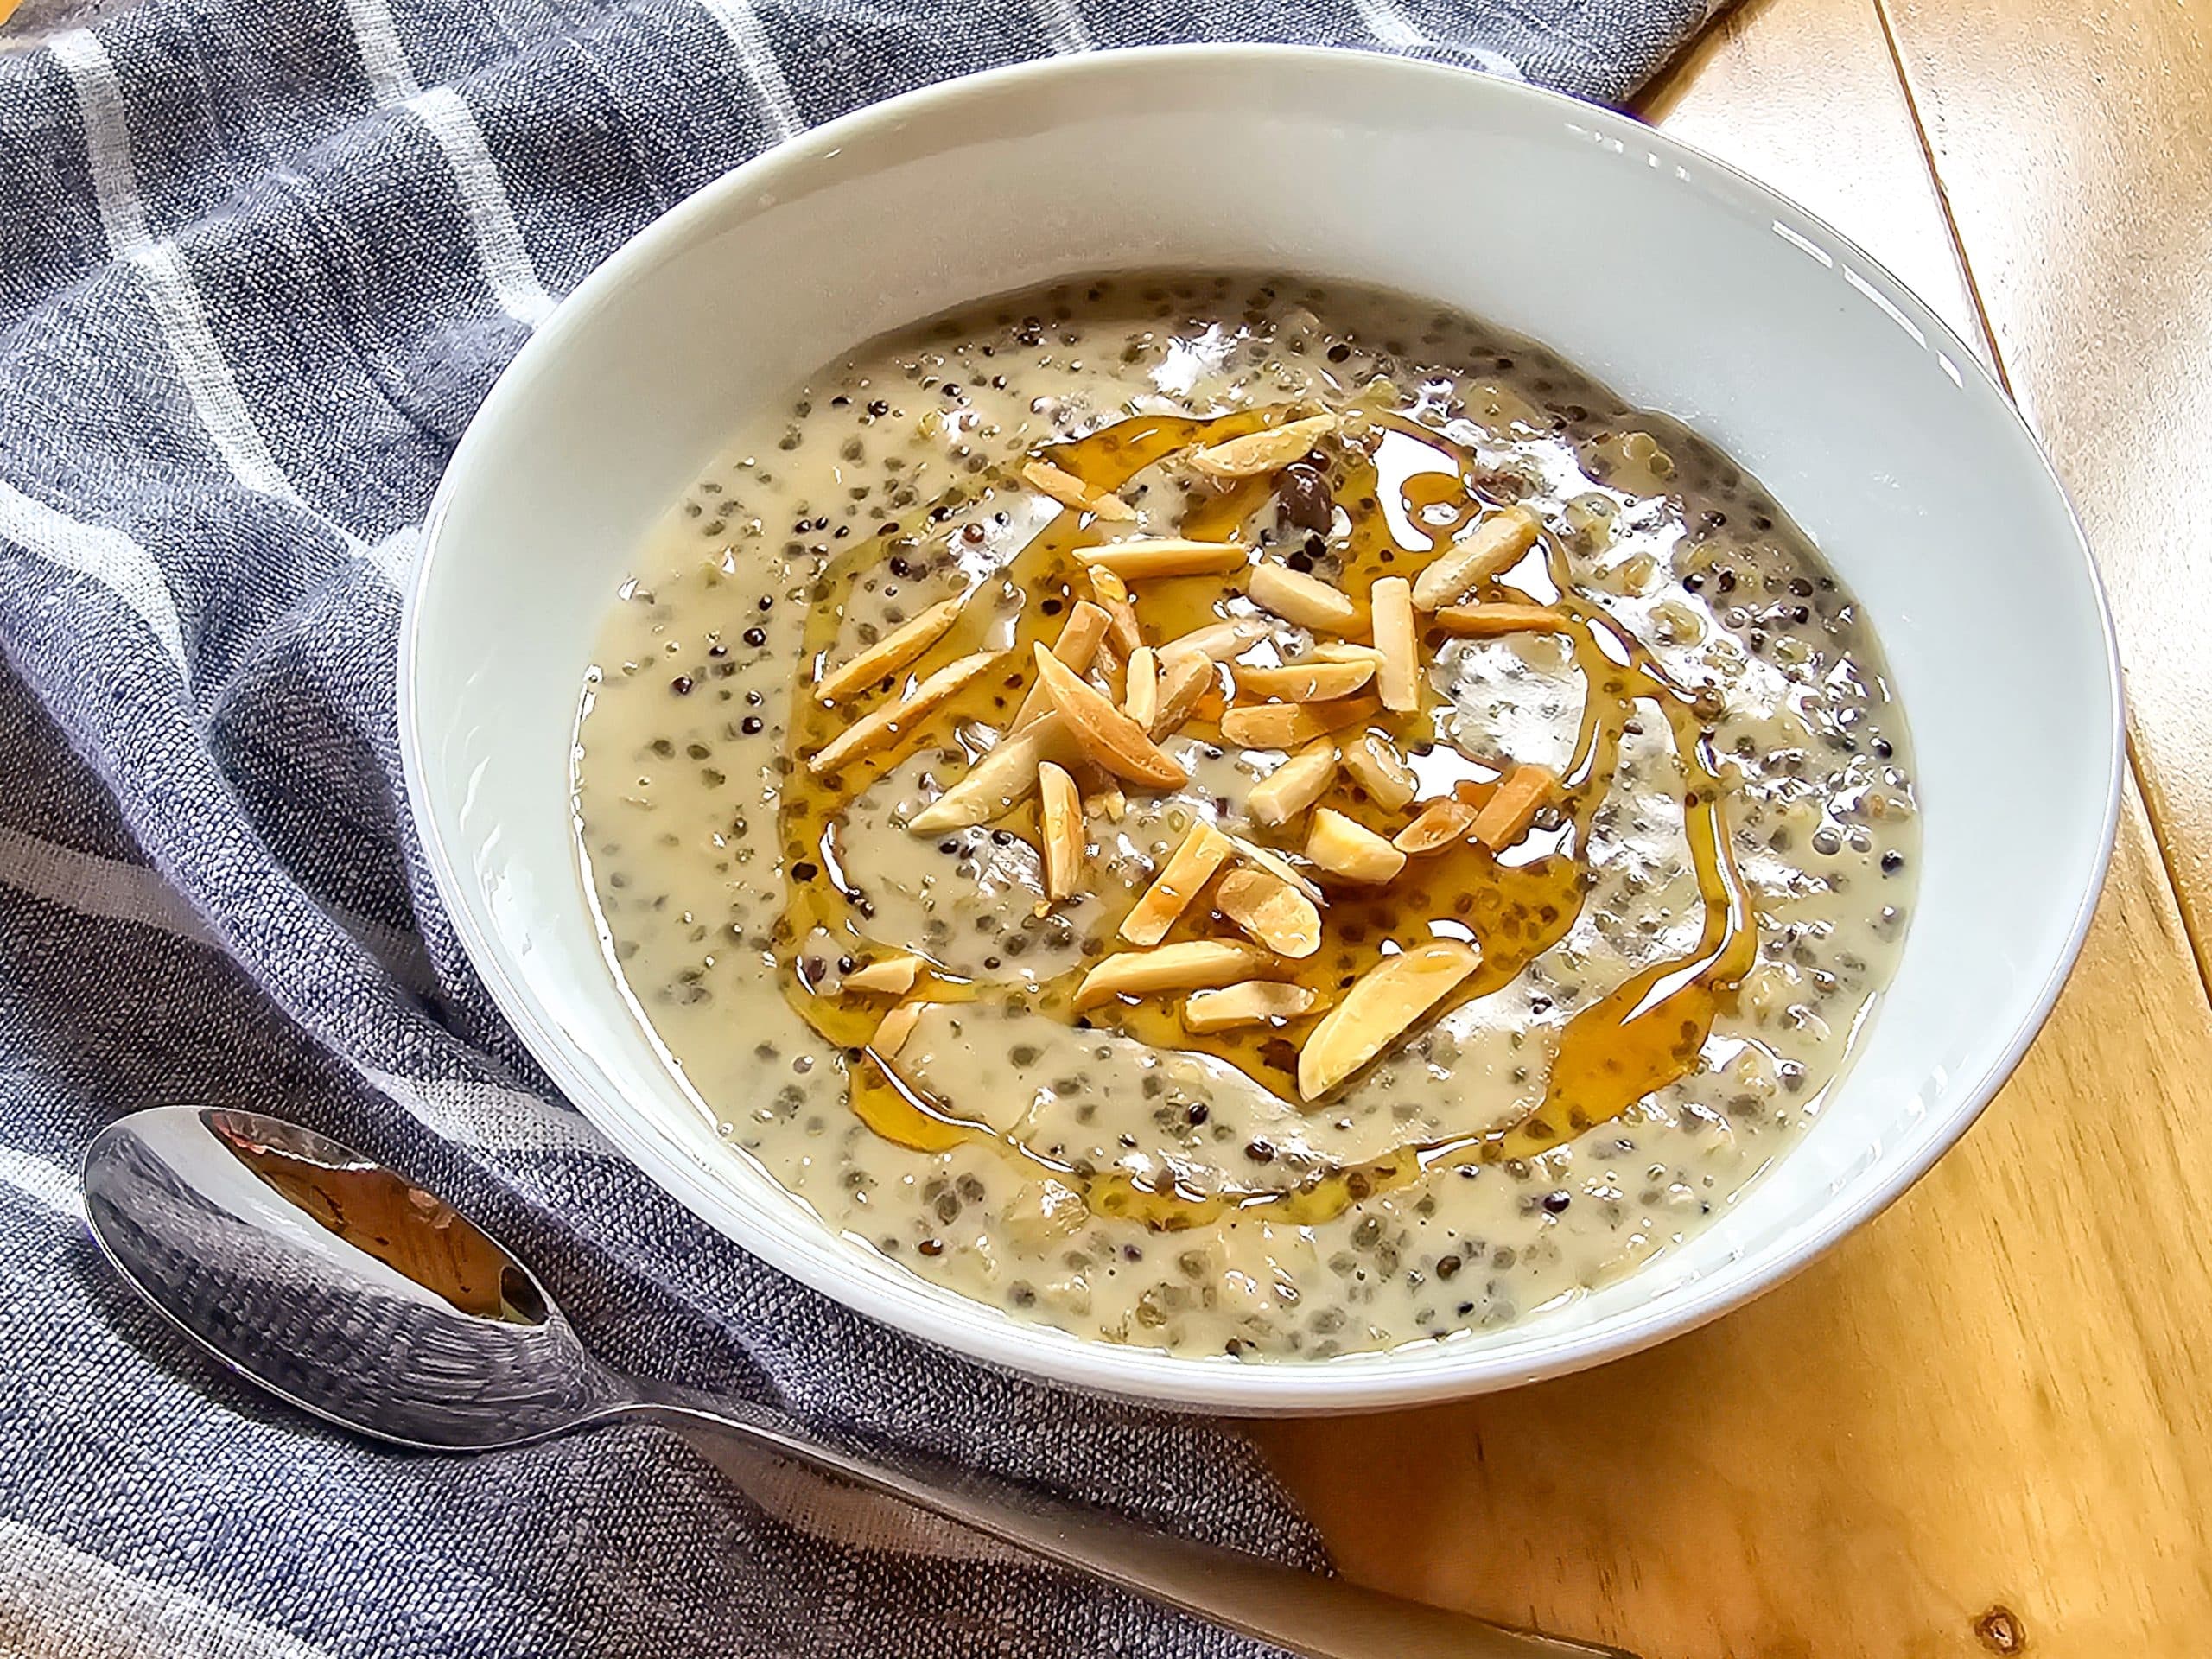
1242	818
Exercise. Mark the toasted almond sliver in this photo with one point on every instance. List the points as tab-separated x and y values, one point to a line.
1348	849
1273	912
1275	864
1307	601
1001	780
1112	594
1220	641
1475	791
1108	737
1188	868
891	653
1439	824
1077	647
895	1027
1392	603
1310	680
1376	766
1293	725
888	977
1061	811
1377	1010
1069	491
1265	451
1495	543
1507	814
1185	677
1484	621
1141	704
893	722
1253	1002
1340	650
1144	556
1295	785
1193	965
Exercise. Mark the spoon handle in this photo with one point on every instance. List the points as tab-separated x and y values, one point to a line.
1302	1612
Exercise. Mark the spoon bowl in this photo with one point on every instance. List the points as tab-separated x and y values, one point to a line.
335	1283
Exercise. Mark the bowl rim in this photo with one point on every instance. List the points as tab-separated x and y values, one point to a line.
1428	1372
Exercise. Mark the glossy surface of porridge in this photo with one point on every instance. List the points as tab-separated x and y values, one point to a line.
1243	819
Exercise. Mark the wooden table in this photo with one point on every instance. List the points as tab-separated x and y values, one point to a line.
1984	1424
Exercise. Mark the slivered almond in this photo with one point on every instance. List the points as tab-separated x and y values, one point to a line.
1195	964
1141	702
1080	636
1001	779
1339	650
889	976
1275	864
1061	812
1475	791
1265	451
1377	766
1293	725
1439	824
1495	543
1112	594
895	1028
1108	737
1254	1002
1221	640
1346	847
1484	621
1295	786
1377	1010
1391	602
1273	912
899	720
1507	812
1144	556
1309	681
1069	491
1188	868
891	653
1307	601
1185	677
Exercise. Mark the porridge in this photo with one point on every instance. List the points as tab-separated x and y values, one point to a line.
1242	818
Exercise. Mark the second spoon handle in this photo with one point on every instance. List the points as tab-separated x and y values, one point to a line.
1303	1613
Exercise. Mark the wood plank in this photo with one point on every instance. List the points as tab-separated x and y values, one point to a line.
1997	1397
2076	146
1983	1421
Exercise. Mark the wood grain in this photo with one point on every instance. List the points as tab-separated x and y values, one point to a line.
2076	145
1995	1397
1986	1420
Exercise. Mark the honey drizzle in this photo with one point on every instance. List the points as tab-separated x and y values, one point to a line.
1644	1034
811	810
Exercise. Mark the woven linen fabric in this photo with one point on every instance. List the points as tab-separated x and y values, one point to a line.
260	262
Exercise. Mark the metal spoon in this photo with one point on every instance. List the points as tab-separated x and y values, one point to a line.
335	1283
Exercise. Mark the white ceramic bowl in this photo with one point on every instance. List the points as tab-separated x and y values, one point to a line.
1685	286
